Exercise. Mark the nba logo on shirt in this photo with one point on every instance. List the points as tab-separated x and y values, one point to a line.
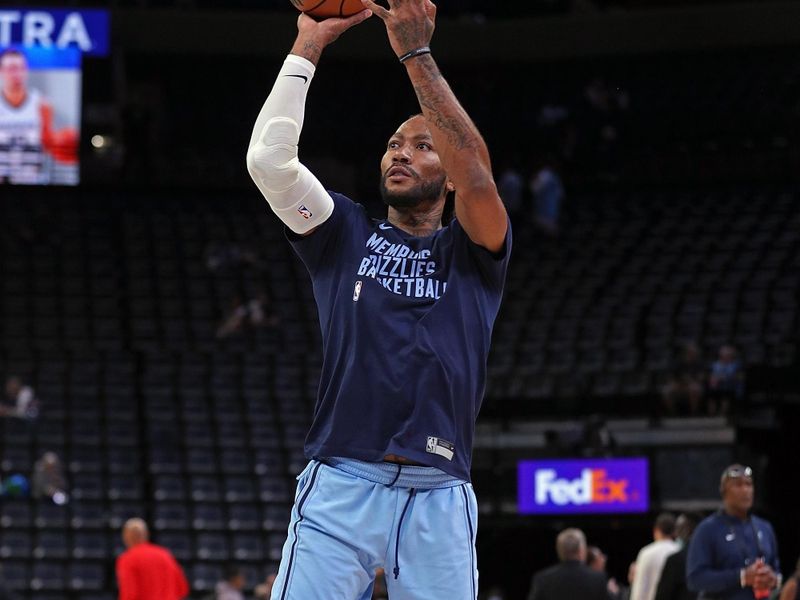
357	291
304	212
431	447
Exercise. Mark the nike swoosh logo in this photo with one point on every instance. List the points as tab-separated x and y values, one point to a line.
384	226
303	77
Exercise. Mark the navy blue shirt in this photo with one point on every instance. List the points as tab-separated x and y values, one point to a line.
723	545
406	326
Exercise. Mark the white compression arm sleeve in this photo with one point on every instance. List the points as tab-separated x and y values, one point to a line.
293	192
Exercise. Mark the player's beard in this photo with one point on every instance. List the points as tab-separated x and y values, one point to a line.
423	191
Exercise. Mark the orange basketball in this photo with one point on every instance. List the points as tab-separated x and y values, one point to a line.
323	9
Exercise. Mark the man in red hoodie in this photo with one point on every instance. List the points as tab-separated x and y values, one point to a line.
147	571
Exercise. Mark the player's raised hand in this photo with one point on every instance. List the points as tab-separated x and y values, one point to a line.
409	23
327	31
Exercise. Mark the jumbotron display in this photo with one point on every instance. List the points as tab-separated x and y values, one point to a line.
40	91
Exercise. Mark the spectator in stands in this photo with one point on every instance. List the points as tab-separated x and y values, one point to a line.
229	256
493	593
548	194
48	479
651	558
511	187
733	554
684	390
22	399
596	560
725	381
571	578
230	588
672	584
255	313
235	320
791	591
147	571
263	591
260	312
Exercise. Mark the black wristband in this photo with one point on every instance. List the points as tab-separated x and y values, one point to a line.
415	52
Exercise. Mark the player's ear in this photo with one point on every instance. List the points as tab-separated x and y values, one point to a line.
450	186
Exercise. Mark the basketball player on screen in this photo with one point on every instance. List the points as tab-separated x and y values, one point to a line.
406	305
27	134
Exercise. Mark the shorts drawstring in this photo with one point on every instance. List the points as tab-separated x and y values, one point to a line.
411	493
397	475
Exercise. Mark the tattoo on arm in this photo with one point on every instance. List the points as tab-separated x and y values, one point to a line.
435	95
310	50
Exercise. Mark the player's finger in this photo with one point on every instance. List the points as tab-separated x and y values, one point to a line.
376	9
357	18
430	9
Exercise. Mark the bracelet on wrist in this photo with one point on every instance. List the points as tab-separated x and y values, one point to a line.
416	52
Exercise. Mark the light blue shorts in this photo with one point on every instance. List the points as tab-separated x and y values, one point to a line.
351	517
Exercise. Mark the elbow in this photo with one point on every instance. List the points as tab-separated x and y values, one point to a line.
252	162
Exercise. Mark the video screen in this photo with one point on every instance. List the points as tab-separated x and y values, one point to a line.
619	485
40	115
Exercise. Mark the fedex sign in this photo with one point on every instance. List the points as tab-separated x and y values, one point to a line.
583	486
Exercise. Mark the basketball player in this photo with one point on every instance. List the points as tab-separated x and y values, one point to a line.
27	135
406	305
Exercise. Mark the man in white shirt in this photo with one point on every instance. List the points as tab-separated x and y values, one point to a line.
651	558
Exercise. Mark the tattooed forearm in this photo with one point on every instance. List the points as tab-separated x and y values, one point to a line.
441	109
308	49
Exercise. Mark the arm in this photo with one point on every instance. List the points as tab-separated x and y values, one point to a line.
463	152
701	574
789	591
291	190
46	114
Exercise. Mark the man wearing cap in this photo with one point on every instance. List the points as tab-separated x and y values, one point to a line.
733	554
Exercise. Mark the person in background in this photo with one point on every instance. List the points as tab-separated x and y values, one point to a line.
650	560
230	588
48	479
146	571
22	399
684	390
725	381
264	590
596	560
734	554
570	578
548	194
672	585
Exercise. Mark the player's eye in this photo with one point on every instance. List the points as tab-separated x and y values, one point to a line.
393	144
423	146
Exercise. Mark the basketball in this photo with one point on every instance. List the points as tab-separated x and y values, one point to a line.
323	9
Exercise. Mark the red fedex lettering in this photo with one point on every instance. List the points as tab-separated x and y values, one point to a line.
605	490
